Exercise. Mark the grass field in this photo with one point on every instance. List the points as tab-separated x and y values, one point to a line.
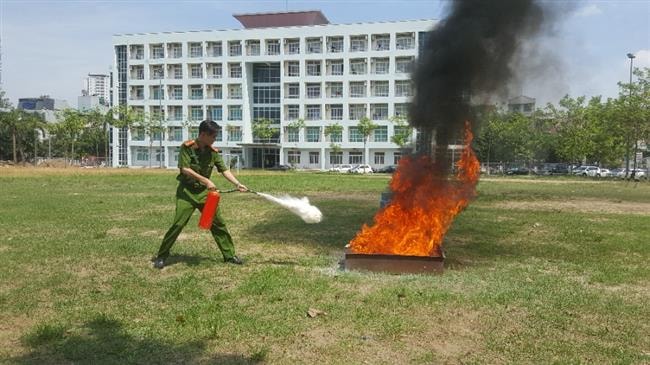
538	271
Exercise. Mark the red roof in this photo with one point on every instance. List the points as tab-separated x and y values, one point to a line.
285	19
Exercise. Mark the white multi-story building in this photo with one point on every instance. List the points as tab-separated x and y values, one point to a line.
98	85
283	67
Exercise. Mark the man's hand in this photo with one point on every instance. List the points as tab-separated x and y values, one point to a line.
242	188
210	185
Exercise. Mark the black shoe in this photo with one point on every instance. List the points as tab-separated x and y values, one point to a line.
159	263
234	260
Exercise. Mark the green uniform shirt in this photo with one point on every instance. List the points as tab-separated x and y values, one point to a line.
201	161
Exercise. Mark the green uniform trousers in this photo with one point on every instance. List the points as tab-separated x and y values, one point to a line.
186	202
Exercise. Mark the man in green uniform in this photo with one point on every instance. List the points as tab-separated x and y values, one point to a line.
195	161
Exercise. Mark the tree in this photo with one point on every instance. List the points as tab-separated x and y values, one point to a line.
331	130
296	125
403	131
263	131
366	127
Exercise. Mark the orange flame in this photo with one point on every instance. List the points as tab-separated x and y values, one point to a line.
422	208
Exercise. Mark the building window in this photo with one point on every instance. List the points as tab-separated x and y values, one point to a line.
354	135
336	158
177	113
401	110
234	112
380	134
235	70
137	134
357	89
314	45
177	92
293	68
196	113
293	134
215	92
335	67
292	46
313	90
293	91
272	47
358	66
314	158
380	66
214	49
215	112
357	111
379	88
355	158
293	112
381	42
396	157
137	52
194	132
178	72
158	93
142	154
196	49
215	71
334	44
403	88
196	71
358	43
175	133
313	68
196	92
157	51
234	134
175	50
405	41
266	73
234	48
336	112
379	111
267	112
293	157
234	91
313	112
313	134
404	65
334	89
379	158
266	94
253	48
336	136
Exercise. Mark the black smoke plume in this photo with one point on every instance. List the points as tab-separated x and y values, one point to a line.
467	56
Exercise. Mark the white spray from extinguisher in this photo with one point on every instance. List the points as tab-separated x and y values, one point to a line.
298	206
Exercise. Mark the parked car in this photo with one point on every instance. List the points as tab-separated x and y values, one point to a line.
604	173
280	168
582	170
387	169
559	169
637	174
518	171
361	169
592	171
341	168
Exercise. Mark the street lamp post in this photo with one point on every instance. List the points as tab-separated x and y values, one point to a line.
627	155
160	116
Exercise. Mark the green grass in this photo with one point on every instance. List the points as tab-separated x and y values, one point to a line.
538	271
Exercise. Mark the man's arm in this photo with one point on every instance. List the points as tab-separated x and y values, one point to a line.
230	177
194	175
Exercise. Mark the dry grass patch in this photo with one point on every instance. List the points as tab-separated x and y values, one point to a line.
580	206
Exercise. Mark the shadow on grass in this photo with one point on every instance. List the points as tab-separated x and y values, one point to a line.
189	260
104	341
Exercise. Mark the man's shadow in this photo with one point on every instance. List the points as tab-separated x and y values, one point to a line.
102	340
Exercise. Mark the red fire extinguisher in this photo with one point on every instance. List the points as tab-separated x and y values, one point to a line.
209	209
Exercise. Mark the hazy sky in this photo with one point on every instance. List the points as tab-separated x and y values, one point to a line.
48	47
